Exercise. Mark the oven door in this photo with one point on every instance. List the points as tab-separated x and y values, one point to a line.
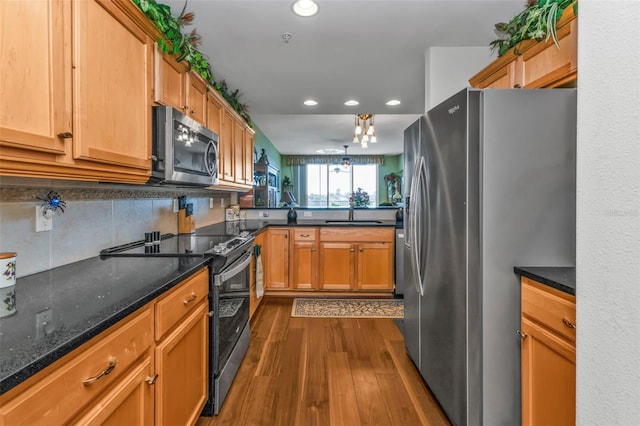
231	308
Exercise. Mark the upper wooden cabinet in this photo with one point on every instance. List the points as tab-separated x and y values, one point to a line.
226	146
539	64
78	105
175	86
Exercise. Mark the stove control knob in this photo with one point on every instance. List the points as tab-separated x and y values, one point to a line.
218	248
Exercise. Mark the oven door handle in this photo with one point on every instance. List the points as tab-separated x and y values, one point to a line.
238	266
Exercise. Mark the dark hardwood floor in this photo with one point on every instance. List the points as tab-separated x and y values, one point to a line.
325	371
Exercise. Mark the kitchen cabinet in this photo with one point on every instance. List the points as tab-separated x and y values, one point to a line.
175	86
539	64
304	259
254	300
356	259
235	150
225	148
79	104
276	255
548	332
153	361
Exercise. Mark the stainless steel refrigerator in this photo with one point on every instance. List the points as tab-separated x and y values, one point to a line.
491	185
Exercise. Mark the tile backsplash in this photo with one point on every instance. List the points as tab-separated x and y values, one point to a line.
90	225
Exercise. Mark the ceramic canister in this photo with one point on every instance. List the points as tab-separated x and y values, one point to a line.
7	284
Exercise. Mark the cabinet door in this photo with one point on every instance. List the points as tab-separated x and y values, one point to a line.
548	377
248	157
113	70
35	86
170	85
375	266
182	365
304	265
129	402
238	151
196	98
225	147
214	114
277	256
337	266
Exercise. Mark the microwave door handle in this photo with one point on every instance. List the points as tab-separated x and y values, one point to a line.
244	261
211	146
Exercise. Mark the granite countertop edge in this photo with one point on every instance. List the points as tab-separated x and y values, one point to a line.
38	364
561	278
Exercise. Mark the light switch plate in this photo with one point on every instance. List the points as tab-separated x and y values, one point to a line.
175	205
210	203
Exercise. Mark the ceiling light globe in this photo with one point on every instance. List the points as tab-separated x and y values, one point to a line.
374	139
370	130
358	130
355	139
305	8
364	145
365	139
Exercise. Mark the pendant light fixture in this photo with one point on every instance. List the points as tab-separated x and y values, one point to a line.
346	161
364	126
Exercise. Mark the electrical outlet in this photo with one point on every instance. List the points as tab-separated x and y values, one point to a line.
44	323
222	203
175	205
43	223
306	214
210	203
263	214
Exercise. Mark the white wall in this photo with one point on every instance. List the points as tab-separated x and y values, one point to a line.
448	70
608	213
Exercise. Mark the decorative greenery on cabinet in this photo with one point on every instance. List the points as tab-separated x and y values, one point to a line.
537	21
185	47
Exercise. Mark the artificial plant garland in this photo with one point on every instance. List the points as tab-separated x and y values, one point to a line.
185	47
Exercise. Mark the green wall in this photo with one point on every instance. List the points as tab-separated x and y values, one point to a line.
260	141
392	164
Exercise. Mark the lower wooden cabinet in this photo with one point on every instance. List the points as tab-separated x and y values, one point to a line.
182	364
124	375
548	355
129	402
277	259
329	258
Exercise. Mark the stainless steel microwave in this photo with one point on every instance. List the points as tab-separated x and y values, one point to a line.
184	151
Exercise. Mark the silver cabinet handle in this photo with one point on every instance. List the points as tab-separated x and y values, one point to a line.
112	364
568	323
151	379
193	297
521	334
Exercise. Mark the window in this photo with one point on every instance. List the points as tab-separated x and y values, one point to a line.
331	185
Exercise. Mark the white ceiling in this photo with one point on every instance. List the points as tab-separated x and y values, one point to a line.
368	50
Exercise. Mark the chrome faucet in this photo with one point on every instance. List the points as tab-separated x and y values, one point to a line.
350	212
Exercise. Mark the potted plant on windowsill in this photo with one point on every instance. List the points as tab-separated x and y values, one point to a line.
536	22
359	198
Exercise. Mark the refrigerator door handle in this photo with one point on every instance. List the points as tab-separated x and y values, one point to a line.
417	231
425	185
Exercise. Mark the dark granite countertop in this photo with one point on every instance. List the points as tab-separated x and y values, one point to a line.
83	299
560	278
87	297
255	225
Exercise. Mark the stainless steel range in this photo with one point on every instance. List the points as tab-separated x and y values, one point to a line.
230	257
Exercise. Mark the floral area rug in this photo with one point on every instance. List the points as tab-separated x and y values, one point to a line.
348	308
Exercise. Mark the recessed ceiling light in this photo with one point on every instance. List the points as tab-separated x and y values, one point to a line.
352	102
310	102
305	8
393	102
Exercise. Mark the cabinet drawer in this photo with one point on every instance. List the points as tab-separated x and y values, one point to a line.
365	234
304	234
175	305
61	394
551	309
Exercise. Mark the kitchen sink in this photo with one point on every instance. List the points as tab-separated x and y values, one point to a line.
352	222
